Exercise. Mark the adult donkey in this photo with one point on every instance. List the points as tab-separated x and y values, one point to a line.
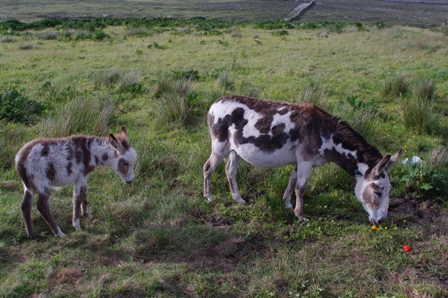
44	164
275	134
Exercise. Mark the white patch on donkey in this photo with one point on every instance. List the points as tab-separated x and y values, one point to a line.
45	164
274	134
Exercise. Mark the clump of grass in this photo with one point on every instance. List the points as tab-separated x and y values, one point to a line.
418	109
395	87
47	35
418	114
137	32
120	80
26	47
314	94
13	136
425	89
175	100
439	158
80	115
226	81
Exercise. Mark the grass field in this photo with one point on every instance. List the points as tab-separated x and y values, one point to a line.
159	237
422	13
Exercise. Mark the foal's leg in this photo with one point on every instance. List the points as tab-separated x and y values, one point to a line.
303	171
79	198
231	167
25	208
218	153
43	205
288	192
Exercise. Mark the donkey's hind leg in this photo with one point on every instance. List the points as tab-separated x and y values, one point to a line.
25	208
43	205
231	167
288	192
209	167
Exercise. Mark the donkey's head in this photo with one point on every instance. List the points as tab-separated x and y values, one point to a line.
372	189
125	156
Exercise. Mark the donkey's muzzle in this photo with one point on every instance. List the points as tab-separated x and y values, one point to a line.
128	181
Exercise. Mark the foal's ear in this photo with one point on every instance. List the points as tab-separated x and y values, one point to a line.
394	159
115	143
123	132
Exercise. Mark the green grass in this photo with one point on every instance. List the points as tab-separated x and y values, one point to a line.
159	237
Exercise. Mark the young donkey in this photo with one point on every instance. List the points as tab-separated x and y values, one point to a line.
275	134
44	164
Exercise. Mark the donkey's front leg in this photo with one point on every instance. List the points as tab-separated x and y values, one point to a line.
288	192
43	205
303	171
231	167
79	198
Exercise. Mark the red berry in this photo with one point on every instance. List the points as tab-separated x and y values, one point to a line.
407	248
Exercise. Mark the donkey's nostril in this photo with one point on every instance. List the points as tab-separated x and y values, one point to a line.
128	181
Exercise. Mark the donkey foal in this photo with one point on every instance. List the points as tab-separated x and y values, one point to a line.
43	164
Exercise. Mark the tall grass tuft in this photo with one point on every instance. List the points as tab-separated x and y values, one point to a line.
395	87
418	114
314	94
175	100
226	81
80	115
13	136
425	89
120	80
439	158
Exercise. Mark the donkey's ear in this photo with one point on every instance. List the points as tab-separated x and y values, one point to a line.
394	159
381	165
123	131
115	143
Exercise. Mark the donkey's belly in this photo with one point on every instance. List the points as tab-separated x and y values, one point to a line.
275	159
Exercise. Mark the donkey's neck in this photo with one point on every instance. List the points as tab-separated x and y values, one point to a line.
101	152
348	149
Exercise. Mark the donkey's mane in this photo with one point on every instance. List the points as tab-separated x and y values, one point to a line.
353	140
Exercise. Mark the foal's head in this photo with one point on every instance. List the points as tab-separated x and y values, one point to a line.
372	189
125	156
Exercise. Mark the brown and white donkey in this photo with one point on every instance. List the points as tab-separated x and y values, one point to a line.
275	134
44	164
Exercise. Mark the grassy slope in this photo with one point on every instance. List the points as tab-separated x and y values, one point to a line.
159	237
402	12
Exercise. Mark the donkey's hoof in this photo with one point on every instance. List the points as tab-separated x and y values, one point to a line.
288	206
209	198
240	200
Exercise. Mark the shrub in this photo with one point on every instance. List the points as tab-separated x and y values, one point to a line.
424	182
15	107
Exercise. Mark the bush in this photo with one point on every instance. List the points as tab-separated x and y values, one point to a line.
17	108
